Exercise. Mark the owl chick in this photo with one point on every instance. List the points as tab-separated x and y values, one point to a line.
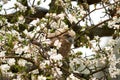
66	38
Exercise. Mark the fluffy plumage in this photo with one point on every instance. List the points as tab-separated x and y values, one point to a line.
66	37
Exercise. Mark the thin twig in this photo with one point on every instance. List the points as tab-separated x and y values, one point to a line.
18	57
90	28
93	11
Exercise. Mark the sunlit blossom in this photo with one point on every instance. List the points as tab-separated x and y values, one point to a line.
52	52
11	61
35	22
57	43
4	67
72	18
114	71
2	53
47	41
27	55
22	62
56	57
21	7
44	64
21	19
41	77
10	74
72	77
26	49
108	49
35	71
19	50
32	10
29	34
56	72
60	16
18	77
114	23
112	42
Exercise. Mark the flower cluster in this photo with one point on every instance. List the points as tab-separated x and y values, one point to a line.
21	7
31	50
115	23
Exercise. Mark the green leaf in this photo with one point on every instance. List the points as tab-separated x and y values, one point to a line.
1	37
17	68
79	53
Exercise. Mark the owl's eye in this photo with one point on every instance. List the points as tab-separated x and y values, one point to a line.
69	38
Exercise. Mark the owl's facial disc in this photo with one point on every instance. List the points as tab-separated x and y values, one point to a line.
69	38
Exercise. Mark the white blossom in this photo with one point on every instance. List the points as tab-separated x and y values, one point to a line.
96	37
21	7
3	21
42	25
54	25
56	57
113	24
63	25
26	49
14	33
21	19
22	62
72	18
11	61
72	77
114	71
47	41
4	67
108	49
112	42
38	28
77	65
27	55
2	53
29	34
42	37
56	72
35	71
82	12
57	43
41	77
52	52
35	22
9	74
19	50
94	78
32	10
60	16
19	77
44	64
